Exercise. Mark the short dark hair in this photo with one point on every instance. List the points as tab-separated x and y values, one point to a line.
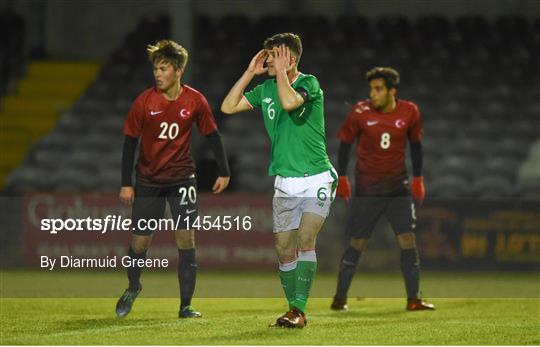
288	39
388	74
169	51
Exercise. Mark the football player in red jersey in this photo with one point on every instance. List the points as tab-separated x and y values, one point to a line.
381	126
162	117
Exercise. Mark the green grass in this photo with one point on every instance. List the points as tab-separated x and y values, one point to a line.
72	317
163	284
244	321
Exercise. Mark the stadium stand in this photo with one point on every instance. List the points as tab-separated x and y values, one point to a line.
12	40
471	78
46	90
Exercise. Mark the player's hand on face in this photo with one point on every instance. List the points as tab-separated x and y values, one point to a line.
127	195
256	65
220	185
282	58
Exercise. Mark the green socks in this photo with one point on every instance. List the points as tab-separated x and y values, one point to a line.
287	275
297	277
305	273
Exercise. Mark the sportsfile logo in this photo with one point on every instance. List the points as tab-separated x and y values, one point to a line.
119	223
109	223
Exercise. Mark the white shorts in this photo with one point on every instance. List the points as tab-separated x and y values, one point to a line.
293	196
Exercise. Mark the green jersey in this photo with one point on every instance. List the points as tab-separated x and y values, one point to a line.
298	137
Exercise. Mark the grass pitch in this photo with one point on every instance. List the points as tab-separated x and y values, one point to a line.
244	321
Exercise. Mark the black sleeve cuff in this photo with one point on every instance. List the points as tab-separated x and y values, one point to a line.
416	158
128	158
343	158
214	140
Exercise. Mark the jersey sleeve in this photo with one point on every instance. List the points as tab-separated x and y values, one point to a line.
205	119
135	118
416	131
311	91
253	97
310	88
350	128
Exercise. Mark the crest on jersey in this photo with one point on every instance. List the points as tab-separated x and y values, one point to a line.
184	113
267	100
400	123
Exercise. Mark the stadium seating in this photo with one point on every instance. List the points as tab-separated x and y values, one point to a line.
12	41
471	77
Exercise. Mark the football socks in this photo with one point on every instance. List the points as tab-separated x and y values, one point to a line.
347	269
187	275
305	273
287	275
410	268
134	271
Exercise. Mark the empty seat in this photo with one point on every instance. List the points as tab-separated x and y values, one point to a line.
487	130
74	180
456	165
108	181
493	187
56	141
509	147
449	186
472	149
48	159
100	143
111	161
524	129
529	188
87	161
506	167
29	179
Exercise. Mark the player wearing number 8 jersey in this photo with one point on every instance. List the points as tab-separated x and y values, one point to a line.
382	126
292	105
162	117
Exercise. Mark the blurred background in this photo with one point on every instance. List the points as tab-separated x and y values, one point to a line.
70	70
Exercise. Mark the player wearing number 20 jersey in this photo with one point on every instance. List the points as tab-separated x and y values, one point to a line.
164	128
162	118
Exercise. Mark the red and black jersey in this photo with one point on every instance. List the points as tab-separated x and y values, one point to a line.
382	142
164	128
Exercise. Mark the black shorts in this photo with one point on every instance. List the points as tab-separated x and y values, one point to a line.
149	204
365	211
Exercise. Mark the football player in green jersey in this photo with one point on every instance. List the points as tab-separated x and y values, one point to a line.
292	105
